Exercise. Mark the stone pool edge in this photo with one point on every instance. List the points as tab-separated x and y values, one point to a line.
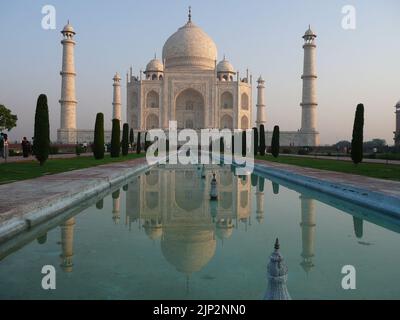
374	200
44	209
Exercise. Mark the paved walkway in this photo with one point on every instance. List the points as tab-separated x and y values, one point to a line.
52	156
54	193
387	187
343	158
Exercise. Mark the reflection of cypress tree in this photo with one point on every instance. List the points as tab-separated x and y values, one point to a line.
254	180
358	227
100	204
275	187
125	187
261	182
42	239
115	194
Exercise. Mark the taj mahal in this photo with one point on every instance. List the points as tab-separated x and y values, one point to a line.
189	85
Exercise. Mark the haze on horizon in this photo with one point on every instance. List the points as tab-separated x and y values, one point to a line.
354	66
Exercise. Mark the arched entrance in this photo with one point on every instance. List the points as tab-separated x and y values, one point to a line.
189	109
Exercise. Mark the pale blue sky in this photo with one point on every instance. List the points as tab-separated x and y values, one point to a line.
361	65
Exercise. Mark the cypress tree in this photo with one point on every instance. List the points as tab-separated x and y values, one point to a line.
41	140
138	146
221	145
98	143
125	142
147	144
262	141
275	142
131	137
244	146
233	144
255	141
115	138
357	141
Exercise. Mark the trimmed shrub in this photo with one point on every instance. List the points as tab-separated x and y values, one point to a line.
42	130
115	138
357	140
244	143
131	137
275	142
98	143
255	141
138	144
125	142
262	141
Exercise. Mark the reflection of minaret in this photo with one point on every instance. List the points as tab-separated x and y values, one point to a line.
116	206
307	224
277	274
260	205
67	240
358	227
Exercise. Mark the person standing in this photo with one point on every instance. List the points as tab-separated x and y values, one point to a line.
5	147
25	147
1	145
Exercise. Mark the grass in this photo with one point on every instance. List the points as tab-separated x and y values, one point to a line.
373	170
15	171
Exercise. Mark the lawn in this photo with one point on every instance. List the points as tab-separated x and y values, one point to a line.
374	170
14	171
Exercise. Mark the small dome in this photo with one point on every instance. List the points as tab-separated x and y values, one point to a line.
68	28
155	65
224	232
153	232
225	66
309	33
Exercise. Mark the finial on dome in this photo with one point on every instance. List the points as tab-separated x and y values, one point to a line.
190	14
277	244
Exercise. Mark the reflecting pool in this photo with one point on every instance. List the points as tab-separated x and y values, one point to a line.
160	237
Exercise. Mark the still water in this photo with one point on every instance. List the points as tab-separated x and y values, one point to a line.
160	237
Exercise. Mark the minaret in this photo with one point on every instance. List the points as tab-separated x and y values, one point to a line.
261	109
67	240
67	131
116	206
117	97
259	205
309	103
277	274
307	225
397	132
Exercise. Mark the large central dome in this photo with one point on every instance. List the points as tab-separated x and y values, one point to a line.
190	47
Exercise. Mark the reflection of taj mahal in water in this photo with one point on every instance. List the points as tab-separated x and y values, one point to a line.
172	204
